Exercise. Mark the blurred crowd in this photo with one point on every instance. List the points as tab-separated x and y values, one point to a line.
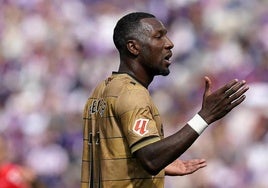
54	52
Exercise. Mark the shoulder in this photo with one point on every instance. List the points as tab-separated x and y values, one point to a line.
124	84
125	92
133	95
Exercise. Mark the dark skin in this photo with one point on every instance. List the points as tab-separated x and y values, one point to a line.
150	57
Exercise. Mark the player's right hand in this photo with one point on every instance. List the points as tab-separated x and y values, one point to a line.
217	104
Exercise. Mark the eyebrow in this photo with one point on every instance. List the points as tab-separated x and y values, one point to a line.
154	30
162	31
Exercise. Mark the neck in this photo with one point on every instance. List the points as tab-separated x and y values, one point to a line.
132	68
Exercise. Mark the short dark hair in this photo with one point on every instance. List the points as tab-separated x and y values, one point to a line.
127	27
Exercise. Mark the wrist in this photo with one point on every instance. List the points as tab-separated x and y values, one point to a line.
198	124
207	117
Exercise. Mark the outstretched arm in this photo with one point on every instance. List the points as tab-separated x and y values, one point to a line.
184	167
155	157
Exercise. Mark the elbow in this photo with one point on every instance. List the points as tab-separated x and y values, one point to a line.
153	172
148	161
150	167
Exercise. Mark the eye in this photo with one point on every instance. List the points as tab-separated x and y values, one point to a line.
158	36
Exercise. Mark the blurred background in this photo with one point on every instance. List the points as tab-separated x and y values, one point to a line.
54	52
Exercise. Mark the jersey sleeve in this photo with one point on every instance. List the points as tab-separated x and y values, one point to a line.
139	119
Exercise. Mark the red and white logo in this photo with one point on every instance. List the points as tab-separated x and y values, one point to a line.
140	126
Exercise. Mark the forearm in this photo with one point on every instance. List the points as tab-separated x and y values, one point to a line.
158	155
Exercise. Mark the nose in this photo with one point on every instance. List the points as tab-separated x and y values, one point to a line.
169	43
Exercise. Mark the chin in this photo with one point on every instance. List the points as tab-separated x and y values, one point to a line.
162	72
165	72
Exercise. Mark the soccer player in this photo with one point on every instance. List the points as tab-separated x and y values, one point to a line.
124	144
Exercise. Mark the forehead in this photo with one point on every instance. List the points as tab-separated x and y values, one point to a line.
152	25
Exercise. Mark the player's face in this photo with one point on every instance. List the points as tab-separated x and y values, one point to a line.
156	48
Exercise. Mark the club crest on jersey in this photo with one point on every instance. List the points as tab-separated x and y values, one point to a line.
140	126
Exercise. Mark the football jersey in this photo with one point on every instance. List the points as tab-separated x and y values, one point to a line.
119	118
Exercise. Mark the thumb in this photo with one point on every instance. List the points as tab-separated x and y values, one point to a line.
207	86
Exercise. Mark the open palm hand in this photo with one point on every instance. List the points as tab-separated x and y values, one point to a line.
184	167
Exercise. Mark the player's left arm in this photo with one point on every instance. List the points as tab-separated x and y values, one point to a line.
184	167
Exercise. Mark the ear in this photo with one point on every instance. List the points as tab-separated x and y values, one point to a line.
133	47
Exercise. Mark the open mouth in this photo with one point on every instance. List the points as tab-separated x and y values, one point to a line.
167	58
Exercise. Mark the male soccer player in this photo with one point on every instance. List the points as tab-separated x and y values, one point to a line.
124	144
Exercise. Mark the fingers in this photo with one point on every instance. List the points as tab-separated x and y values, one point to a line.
194	165
235	93
237	102
229	85
207	86
195	162
237	98
234	88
